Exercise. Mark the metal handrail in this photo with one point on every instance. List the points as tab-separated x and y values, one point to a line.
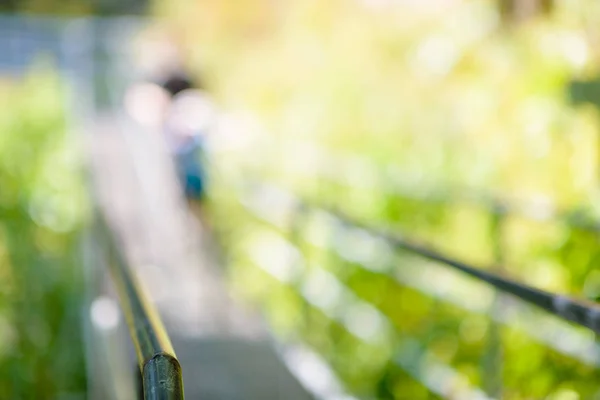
160	369
580	311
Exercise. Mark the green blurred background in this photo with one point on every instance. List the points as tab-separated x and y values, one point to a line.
366	105
42	210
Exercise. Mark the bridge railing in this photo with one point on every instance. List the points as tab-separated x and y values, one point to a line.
160	370
579	311
284	210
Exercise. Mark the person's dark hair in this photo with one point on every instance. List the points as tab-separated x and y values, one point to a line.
178	82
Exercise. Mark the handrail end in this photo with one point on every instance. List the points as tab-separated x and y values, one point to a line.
162	378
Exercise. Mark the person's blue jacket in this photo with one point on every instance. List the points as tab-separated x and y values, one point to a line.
188	159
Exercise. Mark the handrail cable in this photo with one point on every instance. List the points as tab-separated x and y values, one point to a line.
414	365
159	367
582	312
579	311
584	353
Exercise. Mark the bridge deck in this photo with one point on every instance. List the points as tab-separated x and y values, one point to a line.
224	349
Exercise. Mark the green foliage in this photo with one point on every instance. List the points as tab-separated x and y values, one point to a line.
41	212
47	7
73	7
402	101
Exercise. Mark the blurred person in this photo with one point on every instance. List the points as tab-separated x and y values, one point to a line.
176	106
186	127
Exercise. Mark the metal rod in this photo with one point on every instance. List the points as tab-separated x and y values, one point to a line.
579	311
159	367
492	362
